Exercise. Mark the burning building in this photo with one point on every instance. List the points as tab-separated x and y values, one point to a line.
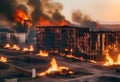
58	37
81	40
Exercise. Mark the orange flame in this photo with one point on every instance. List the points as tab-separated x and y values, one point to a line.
43	53
44	22
20	17
113	59
47	22
7	46
15	47
31	48
72	56
3	59
54	68
25	49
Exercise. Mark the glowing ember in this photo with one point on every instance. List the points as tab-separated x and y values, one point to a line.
66	49
111	58
78	58
3	59
31	48
43	53
7	46
72	56
93	61
15	47
54	68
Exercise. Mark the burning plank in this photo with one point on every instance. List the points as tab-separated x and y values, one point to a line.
7	46
3	59
42	53
15	47
31	49
55	69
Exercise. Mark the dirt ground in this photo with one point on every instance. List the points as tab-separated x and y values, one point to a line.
83	71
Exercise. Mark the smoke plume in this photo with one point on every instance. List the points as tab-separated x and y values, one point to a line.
82	19
37	12
7	8
48	10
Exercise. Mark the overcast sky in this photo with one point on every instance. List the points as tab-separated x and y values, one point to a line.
99	10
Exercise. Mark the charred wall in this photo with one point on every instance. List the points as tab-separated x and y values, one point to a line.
76	38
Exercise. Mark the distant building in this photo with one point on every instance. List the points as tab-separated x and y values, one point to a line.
9	36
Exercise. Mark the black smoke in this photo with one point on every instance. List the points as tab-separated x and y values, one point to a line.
37	12
46	8
82	19
7	8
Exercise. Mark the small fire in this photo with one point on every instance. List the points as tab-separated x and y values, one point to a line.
31	48
3	59
15	47
25	49
78	58
20	17
66	49
110	57
54	68
72	56
43	53
7	46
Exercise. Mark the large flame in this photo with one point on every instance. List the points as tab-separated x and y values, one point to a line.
20	17
111	58
54	68
7	46
47	22
3	59
43	53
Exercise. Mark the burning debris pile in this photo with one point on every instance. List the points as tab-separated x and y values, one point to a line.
112	55
55	69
